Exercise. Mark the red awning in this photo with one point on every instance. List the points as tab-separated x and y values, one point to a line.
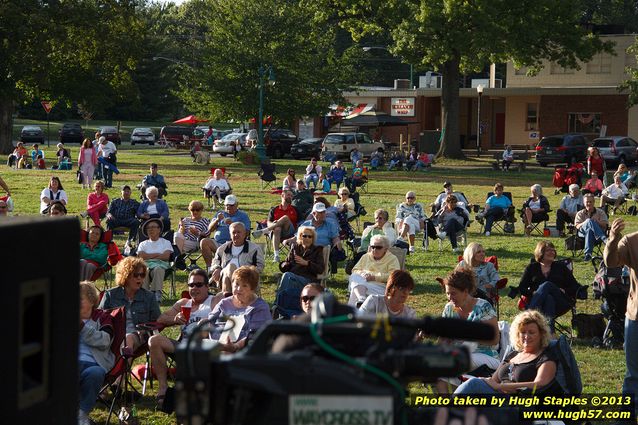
191	119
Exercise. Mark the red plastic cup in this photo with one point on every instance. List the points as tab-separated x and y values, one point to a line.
186	312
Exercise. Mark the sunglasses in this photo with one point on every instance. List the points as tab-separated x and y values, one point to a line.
306	236
409	197
307	298
376	247
3	207
196	284
142	275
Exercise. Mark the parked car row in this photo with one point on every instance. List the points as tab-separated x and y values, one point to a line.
572	147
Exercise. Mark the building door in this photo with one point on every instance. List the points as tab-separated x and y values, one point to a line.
499	128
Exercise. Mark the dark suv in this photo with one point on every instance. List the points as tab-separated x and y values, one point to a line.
176	133
111	134
71	133
568	148
279	141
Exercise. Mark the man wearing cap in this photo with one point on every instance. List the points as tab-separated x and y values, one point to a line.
327	230
154	179
156	251
448	190
121	213
282	219
219	227
569	206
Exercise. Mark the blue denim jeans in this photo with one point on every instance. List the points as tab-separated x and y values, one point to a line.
91	380
551	301
475	386
108	176
630	384
312	178
288	278
592	232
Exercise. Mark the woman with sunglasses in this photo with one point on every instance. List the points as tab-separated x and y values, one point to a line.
140	304
399	287
192	230
370	274
186	312
308	295
305	259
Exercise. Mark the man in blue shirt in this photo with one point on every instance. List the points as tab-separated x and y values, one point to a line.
219	225
154	179
327	230
496	207
122	213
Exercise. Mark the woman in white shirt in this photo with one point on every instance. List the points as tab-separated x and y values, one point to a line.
53	193
399	287
614	194
218	186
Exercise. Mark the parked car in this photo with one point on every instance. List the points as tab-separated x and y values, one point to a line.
341	144
307	148
111	134
568	148
32	134
71	133
617	149
278	142
227	144
175	134
142	135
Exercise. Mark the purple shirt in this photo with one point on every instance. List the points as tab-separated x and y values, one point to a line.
256	315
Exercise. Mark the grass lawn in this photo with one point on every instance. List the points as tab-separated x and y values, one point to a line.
602	370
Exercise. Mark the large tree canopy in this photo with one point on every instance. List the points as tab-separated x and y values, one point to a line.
71	51
457	36
243	35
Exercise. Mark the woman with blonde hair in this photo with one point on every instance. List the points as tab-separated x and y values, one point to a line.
139	303
530	366
305	259
485	274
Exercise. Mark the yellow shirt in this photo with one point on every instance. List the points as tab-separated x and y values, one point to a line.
381	269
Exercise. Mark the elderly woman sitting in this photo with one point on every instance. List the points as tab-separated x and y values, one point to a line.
459	286
345	202
218	186
153	207
614	194
400	285
253	312
140	304
93	253
529	366
305	259
381	226
370	274
535	208
95	356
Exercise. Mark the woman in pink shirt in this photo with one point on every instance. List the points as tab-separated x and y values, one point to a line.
87	160
593	185
97	203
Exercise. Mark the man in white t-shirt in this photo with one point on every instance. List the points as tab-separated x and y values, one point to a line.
156	251
105	150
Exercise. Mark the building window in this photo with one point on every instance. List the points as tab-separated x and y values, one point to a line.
557	69
531	124
583	122
600	64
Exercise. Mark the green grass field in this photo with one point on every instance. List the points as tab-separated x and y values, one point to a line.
602	370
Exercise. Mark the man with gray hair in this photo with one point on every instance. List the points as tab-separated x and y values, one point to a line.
233	254
569	206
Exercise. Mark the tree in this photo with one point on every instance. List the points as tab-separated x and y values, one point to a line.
459	36
71	51
241	36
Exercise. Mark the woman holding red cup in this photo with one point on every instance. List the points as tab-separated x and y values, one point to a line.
186	312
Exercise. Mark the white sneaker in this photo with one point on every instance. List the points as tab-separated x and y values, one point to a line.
257	233
487	233
83	418
275	258
411	248
456	250
442	235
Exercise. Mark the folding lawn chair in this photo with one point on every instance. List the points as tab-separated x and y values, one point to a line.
267	175
507	219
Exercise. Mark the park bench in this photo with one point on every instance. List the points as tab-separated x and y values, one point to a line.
521	155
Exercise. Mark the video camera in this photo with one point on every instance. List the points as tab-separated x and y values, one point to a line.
336	367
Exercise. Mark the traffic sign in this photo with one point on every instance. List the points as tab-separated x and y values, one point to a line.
47	105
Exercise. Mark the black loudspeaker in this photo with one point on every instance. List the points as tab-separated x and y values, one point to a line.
40	304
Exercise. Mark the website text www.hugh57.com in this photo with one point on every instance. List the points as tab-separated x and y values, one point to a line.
594	414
